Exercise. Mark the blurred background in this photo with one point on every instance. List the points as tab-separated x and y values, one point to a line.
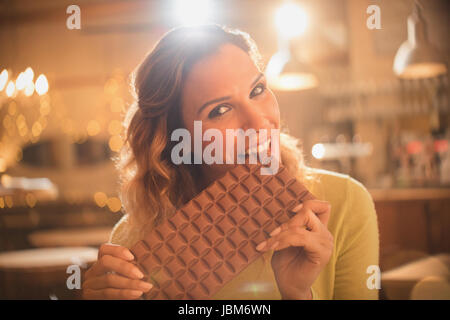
364	85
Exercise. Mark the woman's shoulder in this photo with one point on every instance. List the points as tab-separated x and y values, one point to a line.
329	183
345	194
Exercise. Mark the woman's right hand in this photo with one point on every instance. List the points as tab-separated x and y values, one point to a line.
113	276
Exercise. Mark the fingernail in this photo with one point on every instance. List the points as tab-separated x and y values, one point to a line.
145	286
298	207
261	245
274	245
138	274
275	232
129	255
136	293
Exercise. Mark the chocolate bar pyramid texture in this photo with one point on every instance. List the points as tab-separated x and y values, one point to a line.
213	237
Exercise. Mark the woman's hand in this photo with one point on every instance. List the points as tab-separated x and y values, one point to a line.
112	276
297	268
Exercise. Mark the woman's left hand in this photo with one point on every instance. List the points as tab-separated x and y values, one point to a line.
296	268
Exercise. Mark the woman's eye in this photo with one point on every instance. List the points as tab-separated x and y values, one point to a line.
258	90
218	111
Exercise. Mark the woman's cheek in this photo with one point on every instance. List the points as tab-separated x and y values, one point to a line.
273	109
229	154
206	143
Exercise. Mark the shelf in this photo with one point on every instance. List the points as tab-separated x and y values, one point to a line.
410	194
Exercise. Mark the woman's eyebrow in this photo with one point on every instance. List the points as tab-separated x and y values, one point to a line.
257	79
227	97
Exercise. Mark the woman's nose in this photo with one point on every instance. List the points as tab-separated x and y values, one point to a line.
253	117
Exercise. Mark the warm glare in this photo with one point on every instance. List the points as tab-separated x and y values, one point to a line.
21	81
10	89
29	89
29	74
291	20
3	79
41	85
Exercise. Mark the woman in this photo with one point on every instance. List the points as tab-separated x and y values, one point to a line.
214	75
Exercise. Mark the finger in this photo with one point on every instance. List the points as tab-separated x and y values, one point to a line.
285	226
318	205
303	218
296	237
115	251
319	226
312	222
316	245
116	281
316	249
112	294
298	221
298	207
282	237
320	208
109	263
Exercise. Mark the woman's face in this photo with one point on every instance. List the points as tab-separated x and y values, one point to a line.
227	91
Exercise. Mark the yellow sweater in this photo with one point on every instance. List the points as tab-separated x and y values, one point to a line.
353	224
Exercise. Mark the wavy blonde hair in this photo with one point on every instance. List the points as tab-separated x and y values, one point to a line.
151	186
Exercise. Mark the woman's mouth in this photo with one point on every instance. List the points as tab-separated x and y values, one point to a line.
257	151
263	147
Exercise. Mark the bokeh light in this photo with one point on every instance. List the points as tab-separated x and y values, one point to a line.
291	20
318	151
115	127
21	81
192	12
100	199
115	143
93	128
30	199
3	79
114	204
41	85
10	89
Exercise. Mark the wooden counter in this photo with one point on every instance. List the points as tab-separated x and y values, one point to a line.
410	194
412	223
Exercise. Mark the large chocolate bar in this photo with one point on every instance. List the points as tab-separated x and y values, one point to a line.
213	237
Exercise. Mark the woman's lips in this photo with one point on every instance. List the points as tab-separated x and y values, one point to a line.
261	148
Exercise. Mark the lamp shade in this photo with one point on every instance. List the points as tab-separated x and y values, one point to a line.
286	73
417	58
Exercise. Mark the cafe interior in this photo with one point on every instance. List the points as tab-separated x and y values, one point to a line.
363	85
